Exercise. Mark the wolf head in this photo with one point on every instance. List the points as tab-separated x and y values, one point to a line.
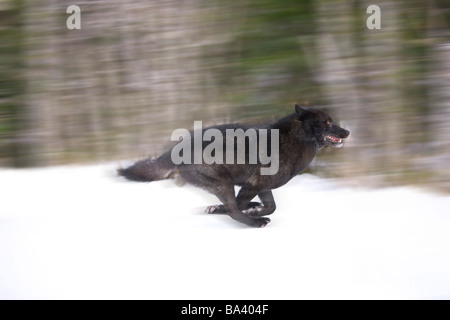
320	126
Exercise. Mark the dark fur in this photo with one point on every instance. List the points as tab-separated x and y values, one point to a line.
302	134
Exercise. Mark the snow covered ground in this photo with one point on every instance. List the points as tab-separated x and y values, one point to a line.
80	232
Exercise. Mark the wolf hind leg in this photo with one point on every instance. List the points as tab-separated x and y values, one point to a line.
221	184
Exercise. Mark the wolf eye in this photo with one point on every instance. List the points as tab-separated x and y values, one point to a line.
328	123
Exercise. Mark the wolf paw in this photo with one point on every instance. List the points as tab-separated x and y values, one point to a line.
253	211
215	209
262	222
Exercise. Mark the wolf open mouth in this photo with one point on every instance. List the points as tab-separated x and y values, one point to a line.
333	140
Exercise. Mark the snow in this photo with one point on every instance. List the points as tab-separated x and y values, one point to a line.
82	233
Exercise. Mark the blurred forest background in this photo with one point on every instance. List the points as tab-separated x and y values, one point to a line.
138	69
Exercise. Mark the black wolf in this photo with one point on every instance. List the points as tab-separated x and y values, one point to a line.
301	135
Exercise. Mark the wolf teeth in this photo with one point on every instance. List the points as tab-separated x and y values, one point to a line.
334	139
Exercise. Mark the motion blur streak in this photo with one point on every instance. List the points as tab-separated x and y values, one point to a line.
138	69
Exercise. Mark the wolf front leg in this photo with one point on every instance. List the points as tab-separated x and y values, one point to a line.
228	199
268	207
243	199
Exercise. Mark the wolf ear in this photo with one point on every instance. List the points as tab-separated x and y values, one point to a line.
299	110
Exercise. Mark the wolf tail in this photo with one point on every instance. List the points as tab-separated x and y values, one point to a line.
149	169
